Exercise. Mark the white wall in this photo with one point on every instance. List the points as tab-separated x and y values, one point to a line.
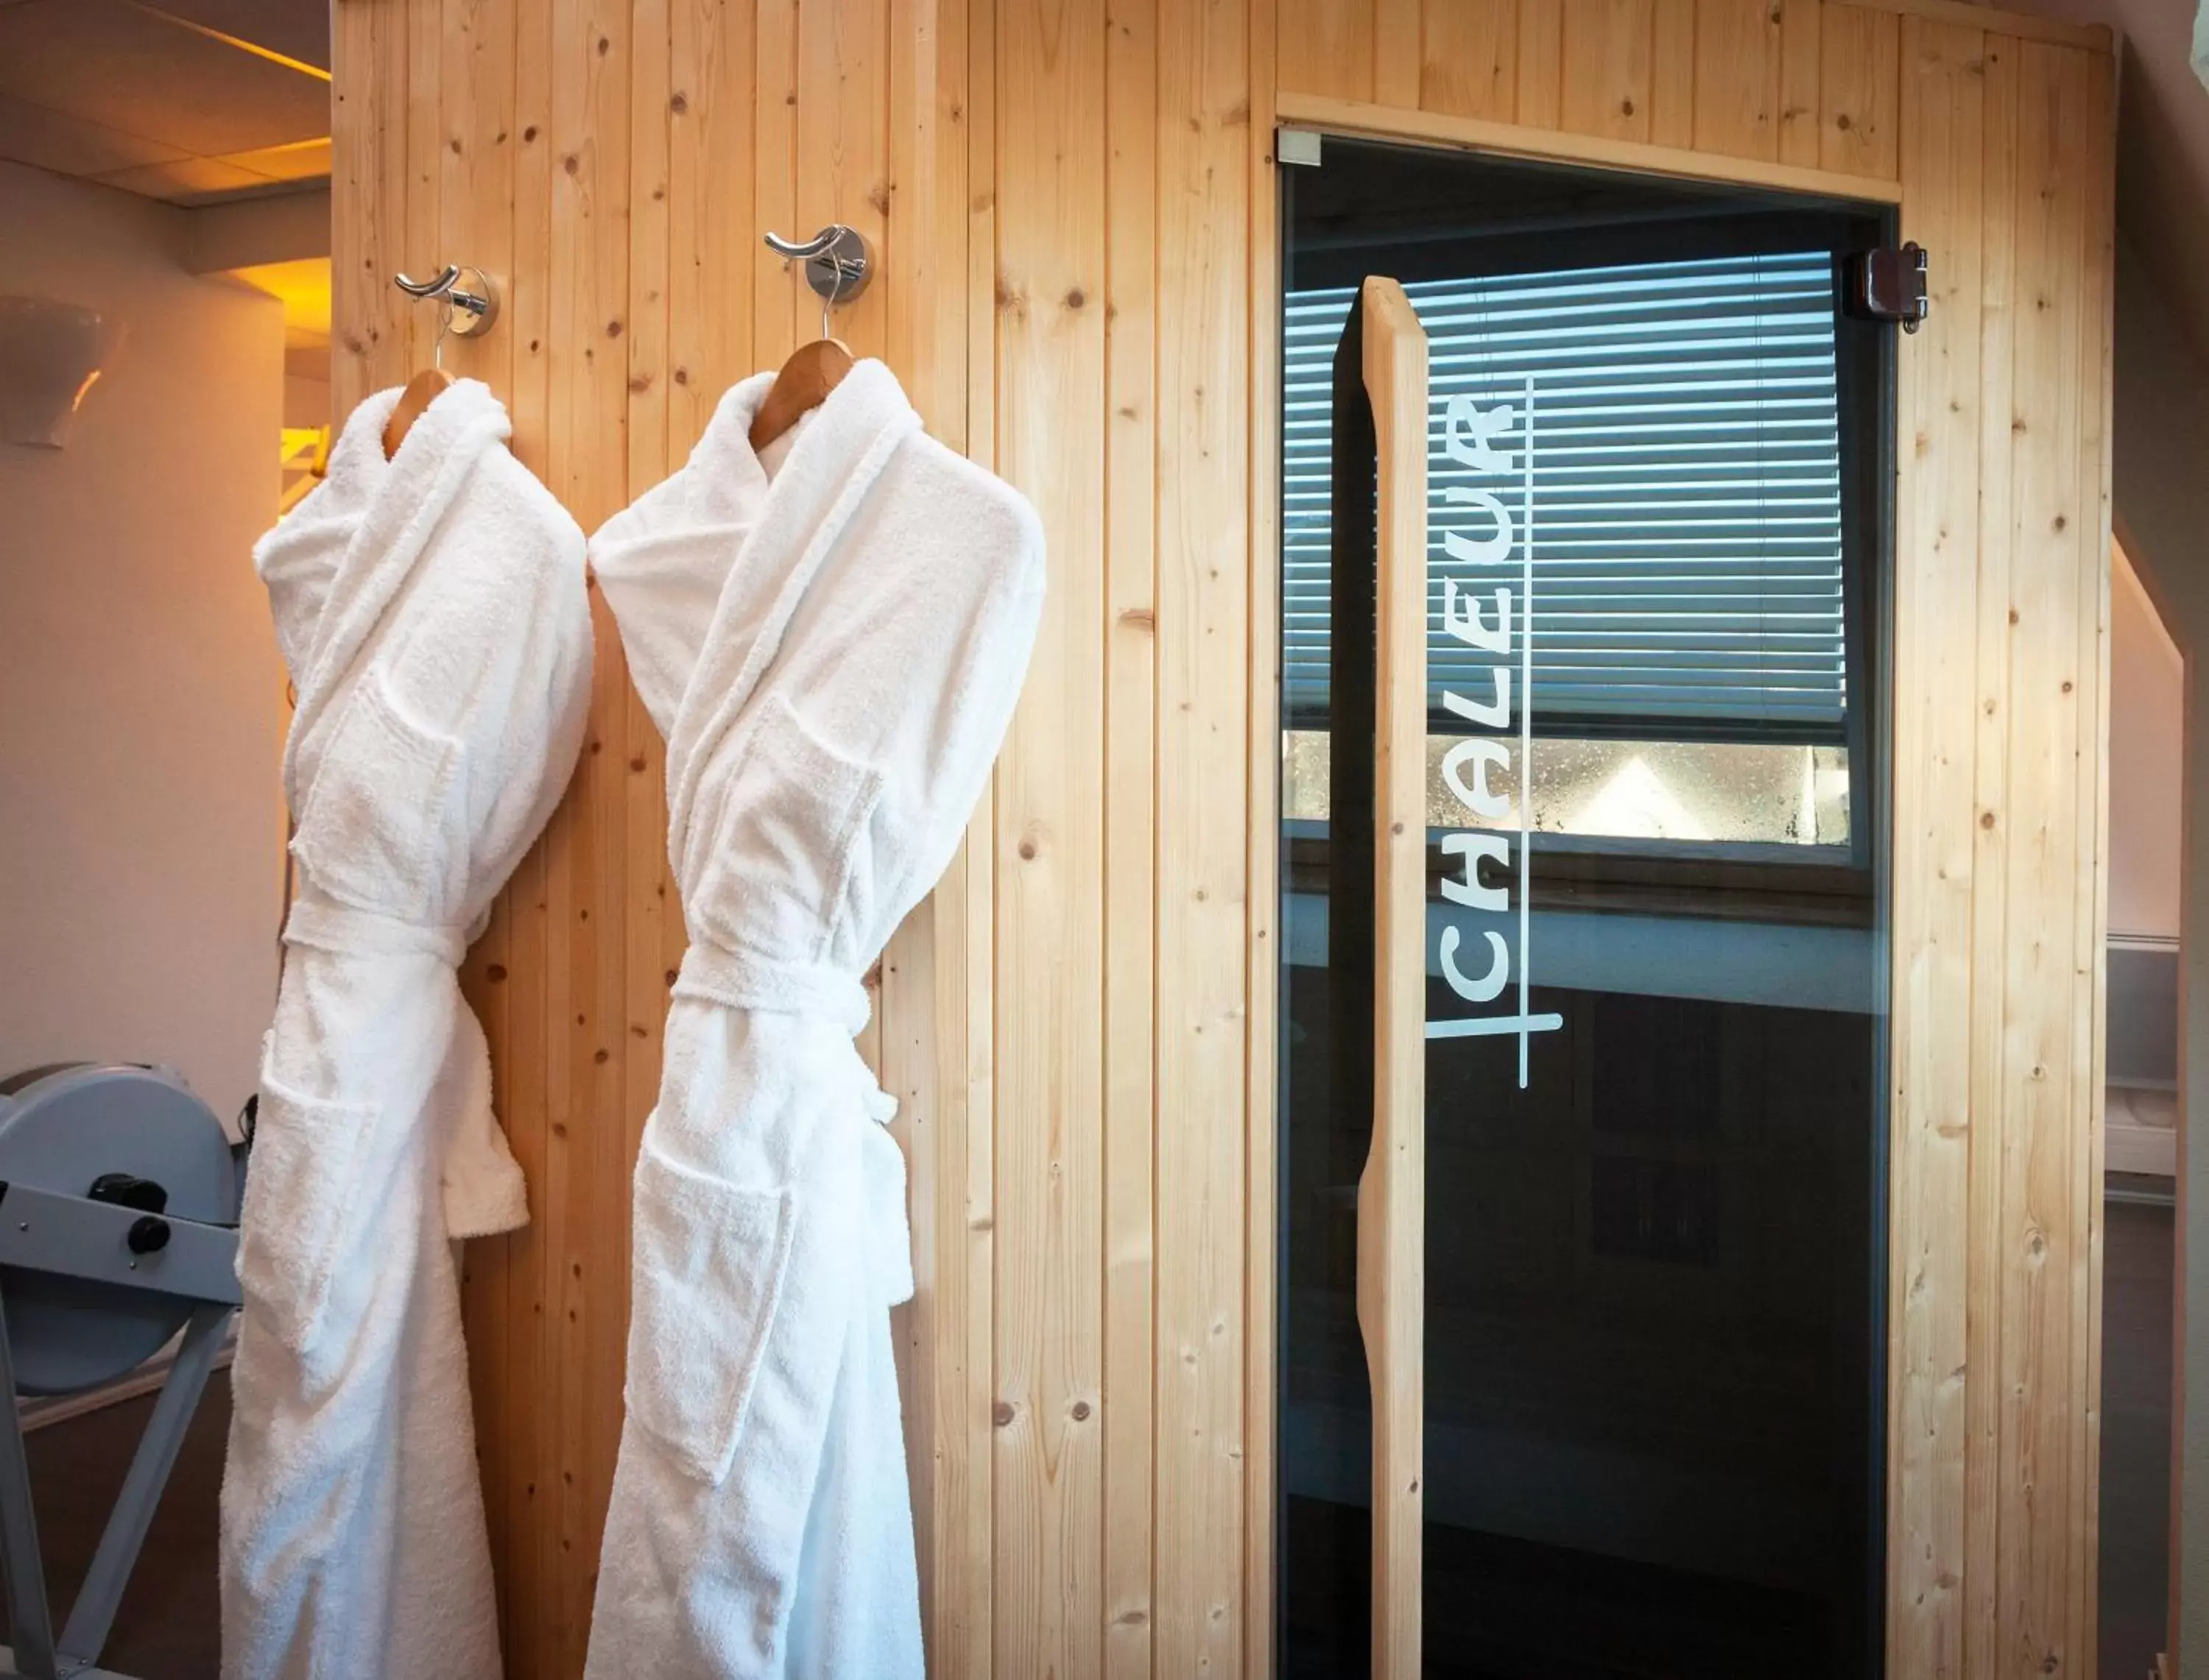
141	836
2147	700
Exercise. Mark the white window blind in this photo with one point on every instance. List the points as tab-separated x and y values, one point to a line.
1686	490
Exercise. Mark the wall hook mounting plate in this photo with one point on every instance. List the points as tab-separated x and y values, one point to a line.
473	298
837	264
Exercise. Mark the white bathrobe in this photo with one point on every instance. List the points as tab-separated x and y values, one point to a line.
432	611
832	643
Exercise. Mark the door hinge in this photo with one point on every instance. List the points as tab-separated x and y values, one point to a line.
1888	284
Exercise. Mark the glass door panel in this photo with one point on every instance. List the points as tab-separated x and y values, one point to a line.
1650	1375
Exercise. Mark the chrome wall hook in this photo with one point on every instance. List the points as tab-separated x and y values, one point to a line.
470	300
837	264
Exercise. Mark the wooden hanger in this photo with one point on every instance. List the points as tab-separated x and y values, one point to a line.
423	389
813	371
470	304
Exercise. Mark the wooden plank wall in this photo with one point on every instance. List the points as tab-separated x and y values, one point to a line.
1073	204
2003	524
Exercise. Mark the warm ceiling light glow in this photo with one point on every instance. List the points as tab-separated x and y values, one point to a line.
302	287
306	145
237	41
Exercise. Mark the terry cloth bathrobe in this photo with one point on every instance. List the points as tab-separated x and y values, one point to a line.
832	639
431	609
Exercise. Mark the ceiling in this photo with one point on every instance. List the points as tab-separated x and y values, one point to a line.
192	101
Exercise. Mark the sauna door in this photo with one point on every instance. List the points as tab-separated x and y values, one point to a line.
1584	803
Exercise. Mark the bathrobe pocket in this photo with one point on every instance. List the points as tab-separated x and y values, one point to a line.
376	826
710	1259
302	1194
795	823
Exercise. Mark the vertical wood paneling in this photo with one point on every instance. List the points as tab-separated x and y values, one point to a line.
1541	63
1263	972
587	1215
843	150
2095	138
1073	204
424	167
1132	186
476	224
1203	595
2036	1236
1801	41
925	971
1673	74
356	242
713	233
778	297
1397	51
1857	102
528	1568
1327	46
1050	173
1468	59
1936	739
1998	279
960	1614
644	336
648	898
392	350
1737	87
1606	53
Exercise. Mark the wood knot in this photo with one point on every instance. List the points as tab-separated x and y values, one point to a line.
1080	1411
679	103
495	972
1028	850
1003	1413
1842	122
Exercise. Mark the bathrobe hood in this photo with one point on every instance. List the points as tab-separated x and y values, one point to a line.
832	639
432	610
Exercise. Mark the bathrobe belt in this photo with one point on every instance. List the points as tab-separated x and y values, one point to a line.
745	980
333	928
